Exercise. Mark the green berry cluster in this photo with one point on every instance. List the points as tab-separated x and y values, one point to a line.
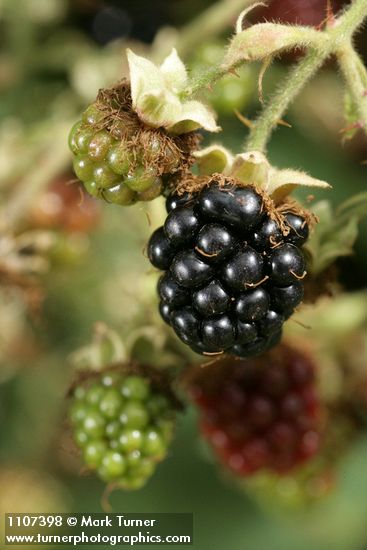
107	167
123	426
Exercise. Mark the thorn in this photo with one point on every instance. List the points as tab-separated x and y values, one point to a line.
209	88
247	122
282	122
364	93
234	72
310	198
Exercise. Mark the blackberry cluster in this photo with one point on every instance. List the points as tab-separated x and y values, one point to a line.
123	425
119	159
261	413
232	275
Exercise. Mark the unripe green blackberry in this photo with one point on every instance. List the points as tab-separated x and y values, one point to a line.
120	159
123	420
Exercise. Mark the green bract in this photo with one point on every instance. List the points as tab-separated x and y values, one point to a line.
123	426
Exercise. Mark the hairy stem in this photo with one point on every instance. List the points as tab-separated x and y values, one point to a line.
274	110
355	75
277	105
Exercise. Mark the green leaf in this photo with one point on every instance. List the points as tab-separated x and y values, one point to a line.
336	232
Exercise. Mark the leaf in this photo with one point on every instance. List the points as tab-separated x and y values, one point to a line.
335	245
336	232
355	206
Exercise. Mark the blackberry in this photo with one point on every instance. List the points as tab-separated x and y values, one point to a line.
123	424
260	413
233	268
120	159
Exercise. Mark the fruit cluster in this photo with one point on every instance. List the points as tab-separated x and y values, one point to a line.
118	158
233	271
123	425
261	413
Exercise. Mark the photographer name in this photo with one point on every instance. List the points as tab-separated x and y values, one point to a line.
115	521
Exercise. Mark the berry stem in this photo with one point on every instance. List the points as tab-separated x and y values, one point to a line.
340	34
355	76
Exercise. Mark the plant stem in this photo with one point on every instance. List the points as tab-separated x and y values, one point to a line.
277	105
340	33
355	75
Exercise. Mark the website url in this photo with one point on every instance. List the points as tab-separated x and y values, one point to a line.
112	540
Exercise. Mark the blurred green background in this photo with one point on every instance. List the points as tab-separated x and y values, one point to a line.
54	56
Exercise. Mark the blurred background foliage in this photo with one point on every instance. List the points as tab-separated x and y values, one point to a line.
54	56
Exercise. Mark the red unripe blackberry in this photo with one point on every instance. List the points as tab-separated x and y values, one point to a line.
120	159
298	12
259	413
233	268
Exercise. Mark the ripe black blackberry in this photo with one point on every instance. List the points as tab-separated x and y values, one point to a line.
233	268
